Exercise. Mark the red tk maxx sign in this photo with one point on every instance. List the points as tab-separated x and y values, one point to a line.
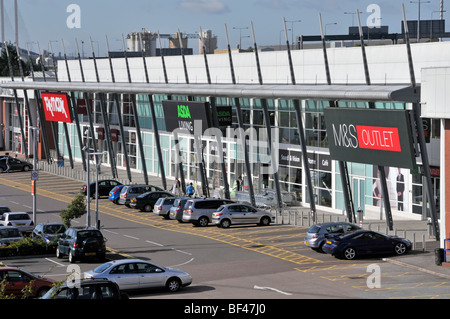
56	107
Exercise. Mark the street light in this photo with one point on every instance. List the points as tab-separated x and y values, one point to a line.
353	16
34	174
240	35
418	17
292	28
326	25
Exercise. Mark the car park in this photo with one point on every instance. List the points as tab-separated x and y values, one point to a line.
176	211
235	214
104	187
317	234
132	274
48	232
163	205
21	220
86	289
114	194
15	165
146	202
80	243
132	191
17	280
9	234
365	242
199	211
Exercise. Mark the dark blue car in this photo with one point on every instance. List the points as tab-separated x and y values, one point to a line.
114	194
365	242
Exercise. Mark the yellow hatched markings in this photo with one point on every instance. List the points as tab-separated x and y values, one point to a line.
404	286
144	219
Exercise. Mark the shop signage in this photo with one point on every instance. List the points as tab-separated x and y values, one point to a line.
224	115
56	107
371	136
185	115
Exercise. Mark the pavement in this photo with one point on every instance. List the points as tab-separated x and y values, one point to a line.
421	258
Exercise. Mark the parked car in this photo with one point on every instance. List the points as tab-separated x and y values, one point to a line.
48	231
131	191
233	214
9	234
104	187
163	205
86	289
131	274
114	194
199	211
81	243
15	164
365	242
21	220
4	209
17	279
176	211
316	236
146	201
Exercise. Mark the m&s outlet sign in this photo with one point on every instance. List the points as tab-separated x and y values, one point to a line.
371	136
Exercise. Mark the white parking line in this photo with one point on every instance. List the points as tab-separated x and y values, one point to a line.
187	262
183	252
14	202
152	242
110	231
28	206
131	237
61	265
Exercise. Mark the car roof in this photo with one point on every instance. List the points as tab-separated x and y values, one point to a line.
51	223
8	227
14	213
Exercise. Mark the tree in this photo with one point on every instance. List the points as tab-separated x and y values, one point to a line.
4	64
75	210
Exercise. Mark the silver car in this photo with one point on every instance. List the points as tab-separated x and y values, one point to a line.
316	235
233	214
21	220
131	274
163	205
8	235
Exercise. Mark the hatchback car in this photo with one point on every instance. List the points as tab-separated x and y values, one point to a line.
199	211
365	242
81	243
316	236
163	205
146	202
132	191
104	187
15	165
86	289
176	211
48	231
17	279
114	194
21	220
131	274
233	214
9	234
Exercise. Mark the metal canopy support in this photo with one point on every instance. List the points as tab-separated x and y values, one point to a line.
300	128
119	116
384	188
342	165
421	135
268	129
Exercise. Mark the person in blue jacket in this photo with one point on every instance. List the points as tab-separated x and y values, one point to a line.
190	190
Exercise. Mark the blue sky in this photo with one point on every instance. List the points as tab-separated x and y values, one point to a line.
46	20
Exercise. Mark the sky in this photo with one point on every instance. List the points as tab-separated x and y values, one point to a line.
49	21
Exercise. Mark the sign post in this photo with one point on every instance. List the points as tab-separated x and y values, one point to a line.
34	172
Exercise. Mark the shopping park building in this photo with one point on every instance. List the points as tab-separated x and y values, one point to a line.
133	124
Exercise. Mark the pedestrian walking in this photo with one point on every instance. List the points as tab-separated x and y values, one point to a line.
176	188
190	190
8	167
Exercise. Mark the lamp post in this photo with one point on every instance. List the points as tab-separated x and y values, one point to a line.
240	35
34	174
292	28
418	17
326	25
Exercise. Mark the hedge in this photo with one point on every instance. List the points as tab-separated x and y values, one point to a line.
26	247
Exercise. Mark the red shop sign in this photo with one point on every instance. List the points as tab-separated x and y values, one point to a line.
56	107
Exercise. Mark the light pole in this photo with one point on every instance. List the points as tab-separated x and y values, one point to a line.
292	29
240	35
34	173
418	17
326	25
353	16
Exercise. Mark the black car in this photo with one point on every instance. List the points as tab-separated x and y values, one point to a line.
365	242
104	187
15	164
79	243
4	209
86	289
146	201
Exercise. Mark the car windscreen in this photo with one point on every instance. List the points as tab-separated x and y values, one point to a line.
19	217
54	229
9	233
83	234
314	229
102	268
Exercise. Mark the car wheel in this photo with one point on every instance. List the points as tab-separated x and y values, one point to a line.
173	284
203	221
349	253
58	253
225	223
1	170
71	257
42	291
26	168
400	248
147	208
265	221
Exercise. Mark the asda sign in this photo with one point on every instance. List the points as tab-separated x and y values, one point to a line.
370	136
186	115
